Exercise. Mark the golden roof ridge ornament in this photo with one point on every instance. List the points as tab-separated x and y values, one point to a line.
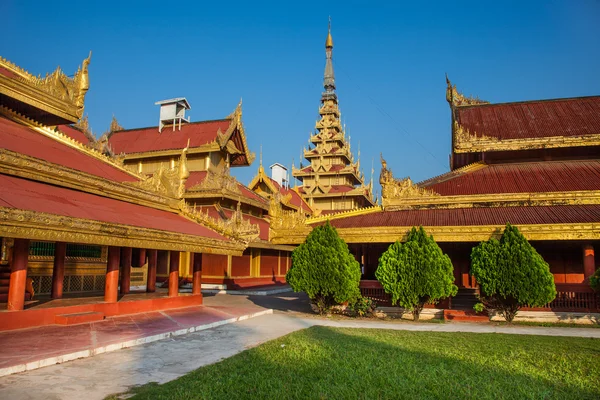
394	189
456	99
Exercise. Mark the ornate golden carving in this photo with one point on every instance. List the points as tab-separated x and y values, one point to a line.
463	138
236	227
456	99
392	188
49	227
57	84
114	125
167	181
218	179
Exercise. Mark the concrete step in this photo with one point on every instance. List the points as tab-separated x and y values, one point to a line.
4	281
465	316
78	318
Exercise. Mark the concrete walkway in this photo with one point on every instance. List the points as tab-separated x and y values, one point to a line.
165	360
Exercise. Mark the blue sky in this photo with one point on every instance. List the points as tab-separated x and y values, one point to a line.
389	60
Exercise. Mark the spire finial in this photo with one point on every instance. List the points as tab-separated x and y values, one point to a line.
329	41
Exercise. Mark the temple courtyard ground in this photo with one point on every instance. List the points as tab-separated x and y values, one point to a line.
388	360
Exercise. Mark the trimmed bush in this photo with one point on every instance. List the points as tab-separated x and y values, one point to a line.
324	268
595	281
511	274
416	273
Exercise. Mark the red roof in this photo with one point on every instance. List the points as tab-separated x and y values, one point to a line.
295	200
529	177
195	178
24	194
8	73
522	215
21	139
533	119
149	139
73	133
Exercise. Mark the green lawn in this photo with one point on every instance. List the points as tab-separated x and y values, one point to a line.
333	363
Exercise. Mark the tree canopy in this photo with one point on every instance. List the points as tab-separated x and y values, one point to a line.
324	268
416	273
511	274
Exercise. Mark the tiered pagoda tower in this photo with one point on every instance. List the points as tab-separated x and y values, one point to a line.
333	180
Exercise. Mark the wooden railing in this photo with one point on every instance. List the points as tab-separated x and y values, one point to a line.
575	297
569	297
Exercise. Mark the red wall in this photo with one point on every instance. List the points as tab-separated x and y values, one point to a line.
269	262
214	264
240	265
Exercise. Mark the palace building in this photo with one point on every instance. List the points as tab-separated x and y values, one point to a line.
76	223
92	228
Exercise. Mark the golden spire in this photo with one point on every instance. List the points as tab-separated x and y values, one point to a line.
329	41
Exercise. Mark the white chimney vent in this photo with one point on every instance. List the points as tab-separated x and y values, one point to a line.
279	174
172	111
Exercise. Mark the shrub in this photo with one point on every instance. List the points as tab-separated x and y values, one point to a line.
595	281
324	268
479	307
416	273
363	306
511	274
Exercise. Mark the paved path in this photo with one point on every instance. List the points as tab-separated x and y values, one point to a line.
165	360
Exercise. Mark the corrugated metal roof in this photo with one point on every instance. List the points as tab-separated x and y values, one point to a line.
528	177
522	215
533	119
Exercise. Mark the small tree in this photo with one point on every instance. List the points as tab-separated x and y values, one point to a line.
416	273
511	274
324	268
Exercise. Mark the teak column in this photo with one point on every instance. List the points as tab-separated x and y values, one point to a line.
125	269
58	272
197	274
18	275
174	274
112	275
588	261
151	279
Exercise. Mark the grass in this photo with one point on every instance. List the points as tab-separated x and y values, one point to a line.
342	363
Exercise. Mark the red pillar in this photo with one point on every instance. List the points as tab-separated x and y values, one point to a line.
174	274
112	275
58	272
125	269
18	275
588	261
197	274
151	279
138	258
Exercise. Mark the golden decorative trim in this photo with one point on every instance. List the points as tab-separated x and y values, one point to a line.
27	167
463	138
217	179
393	189
467	169
465	142
68	93
236	227
344	214
56	228
205	148
475	234
456	99
236	123
581	197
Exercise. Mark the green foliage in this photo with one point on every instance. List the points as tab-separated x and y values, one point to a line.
363	306
416	273
479	307
595	280
511	274
324	268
